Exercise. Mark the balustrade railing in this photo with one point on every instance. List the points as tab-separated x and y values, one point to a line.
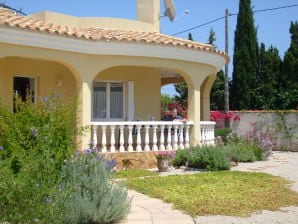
139	136
207	132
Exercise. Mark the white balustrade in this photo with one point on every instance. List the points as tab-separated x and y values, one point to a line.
207	132
139	136
142	136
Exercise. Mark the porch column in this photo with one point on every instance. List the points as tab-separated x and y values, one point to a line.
194	114
85	108
205	97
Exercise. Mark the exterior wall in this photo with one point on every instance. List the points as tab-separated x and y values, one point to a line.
282	127
146	88
144	70
50	76
147	15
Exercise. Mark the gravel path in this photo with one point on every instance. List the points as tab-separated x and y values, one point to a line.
283	164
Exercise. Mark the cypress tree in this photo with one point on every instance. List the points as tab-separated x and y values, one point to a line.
268	78
217	94
289	79
245	59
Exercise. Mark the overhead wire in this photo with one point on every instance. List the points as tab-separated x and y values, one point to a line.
233	14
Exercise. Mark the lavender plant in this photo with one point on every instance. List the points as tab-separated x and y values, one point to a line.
92	197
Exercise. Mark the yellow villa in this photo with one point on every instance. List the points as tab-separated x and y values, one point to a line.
117	68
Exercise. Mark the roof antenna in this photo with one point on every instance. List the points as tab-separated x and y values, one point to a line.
170	9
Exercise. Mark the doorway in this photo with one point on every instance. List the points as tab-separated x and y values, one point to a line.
24	88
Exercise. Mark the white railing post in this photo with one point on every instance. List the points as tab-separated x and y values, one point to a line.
169	138
162	138
94	137
147	147
112	142
121	139
130	147
154	140
187	136
181	138
103	139
175	142
139	139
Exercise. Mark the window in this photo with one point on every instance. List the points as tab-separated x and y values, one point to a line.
108	100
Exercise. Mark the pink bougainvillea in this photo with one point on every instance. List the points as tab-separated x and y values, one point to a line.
218	116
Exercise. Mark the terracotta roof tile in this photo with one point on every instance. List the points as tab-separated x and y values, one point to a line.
9	18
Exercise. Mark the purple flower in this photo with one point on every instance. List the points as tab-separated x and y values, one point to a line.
48	200
1	148
34	132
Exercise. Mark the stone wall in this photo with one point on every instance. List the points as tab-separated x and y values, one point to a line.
132	160
282	127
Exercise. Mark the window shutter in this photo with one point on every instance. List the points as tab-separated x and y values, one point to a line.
131	103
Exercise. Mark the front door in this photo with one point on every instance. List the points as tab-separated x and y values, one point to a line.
24	88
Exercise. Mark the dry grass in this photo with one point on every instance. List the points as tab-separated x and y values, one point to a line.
219	193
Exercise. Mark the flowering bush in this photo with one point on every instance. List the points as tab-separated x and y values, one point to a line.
181	110
219	116
164	154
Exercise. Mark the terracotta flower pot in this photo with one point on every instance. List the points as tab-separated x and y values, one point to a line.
162	165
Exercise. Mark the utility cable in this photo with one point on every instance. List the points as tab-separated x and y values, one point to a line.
234	14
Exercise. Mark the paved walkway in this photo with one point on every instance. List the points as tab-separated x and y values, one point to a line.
147	210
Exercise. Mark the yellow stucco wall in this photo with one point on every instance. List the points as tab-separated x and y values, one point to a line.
147	19
146	88
79	70
46	73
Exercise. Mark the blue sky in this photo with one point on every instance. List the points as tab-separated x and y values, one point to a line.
273	26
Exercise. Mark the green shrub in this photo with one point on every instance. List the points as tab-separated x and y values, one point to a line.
34	142
240	152
92	197
206	157
223	133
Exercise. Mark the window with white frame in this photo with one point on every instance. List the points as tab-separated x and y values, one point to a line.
112	100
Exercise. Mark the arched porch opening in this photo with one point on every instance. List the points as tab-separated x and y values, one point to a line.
37	77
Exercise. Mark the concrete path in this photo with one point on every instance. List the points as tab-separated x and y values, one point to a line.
147	210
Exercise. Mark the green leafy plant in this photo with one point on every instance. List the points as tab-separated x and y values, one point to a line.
207	157
92	197
35	139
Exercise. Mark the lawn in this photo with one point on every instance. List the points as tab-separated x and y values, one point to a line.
219	193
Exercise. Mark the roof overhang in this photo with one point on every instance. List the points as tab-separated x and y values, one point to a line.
109	47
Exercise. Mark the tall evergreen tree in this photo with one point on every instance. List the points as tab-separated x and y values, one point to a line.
289	81
269	66
245	59
217	94
212	38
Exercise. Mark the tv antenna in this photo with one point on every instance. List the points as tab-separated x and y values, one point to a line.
170	9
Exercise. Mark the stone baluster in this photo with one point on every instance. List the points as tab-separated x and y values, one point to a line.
147	147
103	138
175	140
162	138
169	138
181	138
130	141
154	140
94	138
112	142
187	136
121	138
139	139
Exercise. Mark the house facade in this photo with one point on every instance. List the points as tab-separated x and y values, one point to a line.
116	67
